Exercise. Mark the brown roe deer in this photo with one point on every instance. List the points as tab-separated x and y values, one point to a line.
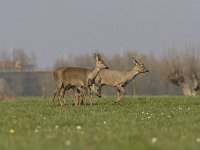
119	79
79	93
70	77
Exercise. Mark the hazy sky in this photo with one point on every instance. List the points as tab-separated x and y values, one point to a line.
56	29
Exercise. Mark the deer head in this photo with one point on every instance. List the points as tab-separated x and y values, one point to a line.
95	89
99	62
139	66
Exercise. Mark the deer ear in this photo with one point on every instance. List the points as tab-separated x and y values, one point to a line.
135	61
140	59
97	56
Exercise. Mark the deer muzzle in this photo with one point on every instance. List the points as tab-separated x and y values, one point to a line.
106	67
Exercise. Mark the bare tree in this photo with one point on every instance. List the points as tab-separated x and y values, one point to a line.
181	69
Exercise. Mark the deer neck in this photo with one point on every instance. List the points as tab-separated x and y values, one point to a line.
93	73
131	74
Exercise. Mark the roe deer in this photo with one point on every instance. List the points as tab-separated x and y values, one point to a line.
119	79
79	93
71	77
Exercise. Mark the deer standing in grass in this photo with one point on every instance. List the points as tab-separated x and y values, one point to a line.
119	79
79	93
71	77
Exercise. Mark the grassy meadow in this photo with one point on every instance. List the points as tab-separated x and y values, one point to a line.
144	123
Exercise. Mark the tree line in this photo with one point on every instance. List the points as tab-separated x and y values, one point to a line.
175	72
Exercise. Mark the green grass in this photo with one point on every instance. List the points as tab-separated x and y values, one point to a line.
142	123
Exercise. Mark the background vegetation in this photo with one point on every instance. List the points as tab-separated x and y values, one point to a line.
176	72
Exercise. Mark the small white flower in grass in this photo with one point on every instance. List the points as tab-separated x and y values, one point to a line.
36	130
198	140
154	140
180	108
147	113
149	117
143	112
78	127
169	116
104	122
56	126
12	131
67	142
188	113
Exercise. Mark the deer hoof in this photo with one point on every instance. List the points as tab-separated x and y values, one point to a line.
118	101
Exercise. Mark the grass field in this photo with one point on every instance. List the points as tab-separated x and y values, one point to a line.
144	123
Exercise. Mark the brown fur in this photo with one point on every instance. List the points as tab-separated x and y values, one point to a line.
80	93
70	77
119	79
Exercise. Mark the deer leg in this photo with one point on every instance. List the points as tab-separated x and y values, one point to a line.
76	101
80	97
90	95
100	90
76	97
81	100
62	95
120	93
57	91
90	98
54	95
